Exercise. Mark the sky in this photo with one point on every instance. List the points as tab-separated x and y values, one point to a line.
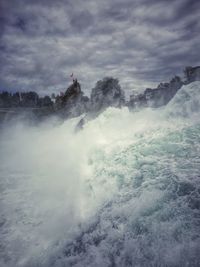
140	42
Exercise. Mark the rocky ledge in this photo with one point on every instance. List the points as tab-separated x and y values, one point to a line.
106	93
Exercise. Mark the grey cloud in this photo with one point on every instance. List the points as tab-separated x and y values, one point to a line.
82	20
141	42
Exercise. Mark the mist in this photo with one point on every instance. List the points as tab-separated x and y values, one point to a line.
107	190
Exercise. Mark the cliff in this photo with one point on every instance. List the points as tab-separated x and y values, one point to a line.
73	103
106	93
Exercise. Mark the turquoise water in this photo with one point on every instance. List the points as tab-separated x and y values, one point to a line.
124	191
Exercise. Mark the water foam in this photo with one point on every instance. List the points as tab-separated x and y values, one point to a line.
124	191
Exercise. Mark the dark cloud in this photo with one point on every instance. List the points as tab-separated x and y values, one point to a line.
141	42
81	20
20	23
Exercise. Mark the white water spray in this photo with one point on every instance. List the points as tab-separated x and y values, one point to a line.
124	191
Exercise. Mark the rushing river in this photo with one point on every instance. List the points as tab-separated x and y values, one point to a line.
124	191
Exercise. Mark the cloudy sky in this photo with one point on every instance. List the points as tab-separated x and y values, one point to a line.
140	42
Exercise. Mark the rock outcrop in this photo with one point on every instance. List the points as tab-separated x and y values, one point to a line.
156	97
73	103
163	93
192	74
106	93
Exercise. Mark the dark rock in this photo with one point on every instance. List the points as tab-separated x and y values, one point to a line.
106	93
163	93
192	74
73	103
156	97
137	101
